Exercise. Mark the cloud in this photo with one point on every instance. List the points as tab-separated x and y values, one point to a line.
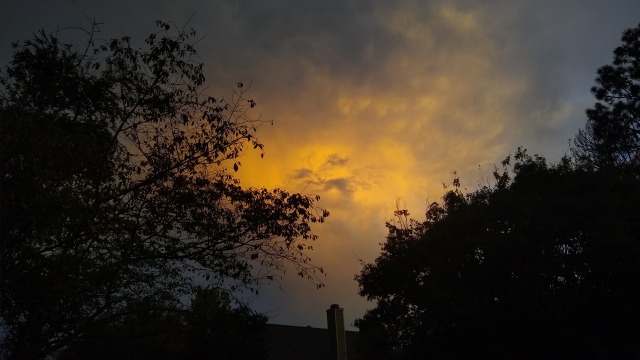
302	174
335	160
391	99
375	101
341	184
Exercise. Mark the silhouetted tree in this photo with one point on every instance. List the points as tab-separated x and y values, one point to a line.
211	328
216	330
117	189
148	331
612	134
543	264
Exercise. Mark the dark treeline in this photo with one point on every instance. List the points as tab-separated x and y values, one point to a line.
543	263
209	329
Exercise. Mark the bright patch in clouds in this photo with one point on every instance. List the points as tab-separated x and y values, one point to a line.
376	103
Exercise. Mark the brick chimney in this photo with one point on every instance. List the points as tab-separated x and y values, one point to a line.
337	338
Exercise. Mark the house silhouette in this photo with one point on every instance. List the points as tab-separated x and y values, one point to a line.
299	342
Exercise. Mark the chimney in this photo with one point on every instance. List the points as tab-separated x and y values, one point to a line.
337	339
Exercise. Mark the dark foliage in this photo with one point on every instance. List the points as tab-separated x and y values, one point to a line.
544	264
117	189
210	329
612	134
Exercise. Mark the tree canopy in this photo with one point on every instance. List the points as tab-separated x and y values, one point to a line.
117	188
210	328
612	134
543	262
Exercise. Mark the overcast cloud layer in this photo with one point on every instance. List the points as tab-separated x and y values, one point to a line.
376	103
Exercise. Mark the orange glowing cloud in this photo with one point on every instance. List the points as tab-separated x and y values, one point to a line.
438	100
376	103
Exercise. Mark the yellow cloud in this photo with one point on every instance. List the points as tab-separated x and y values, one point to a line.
348	104
366	144
465	22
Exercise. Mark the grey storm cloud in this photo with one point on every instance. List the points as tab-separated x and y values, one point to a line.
341	184
336	35
375	100
302	174
336	160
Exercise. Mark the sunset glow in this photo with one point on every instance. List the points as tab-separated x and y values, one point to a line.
376	103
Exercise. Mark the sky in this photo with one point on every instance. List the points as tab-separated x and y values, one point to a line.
375	103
